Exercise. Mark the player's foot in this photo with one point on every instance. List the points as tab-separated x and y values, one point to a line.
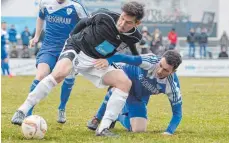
106	133
18	118
93	124
61	116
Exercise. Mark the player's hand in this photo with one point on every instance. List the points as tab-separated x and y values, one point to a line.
33	41
167	134
101	63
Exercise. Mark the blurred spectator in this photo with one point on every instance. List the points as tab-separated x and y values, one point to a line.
4	55
223	54
25	36
224	41
12	37
145	42
41	38
172	36
191	39
156	43
203	41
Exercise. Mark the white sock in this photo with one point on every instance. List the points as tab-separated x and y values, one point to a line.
40	92
114	107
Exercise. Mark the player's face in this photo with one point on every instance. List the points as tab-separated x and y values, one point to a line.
164	69
4	26
126	23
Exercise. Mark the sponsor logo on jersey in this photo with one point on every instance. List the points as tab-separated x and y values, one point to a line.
58	19
69	11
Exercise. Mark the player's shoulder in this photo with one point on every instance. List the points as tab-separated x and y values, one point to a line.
106	15
173	81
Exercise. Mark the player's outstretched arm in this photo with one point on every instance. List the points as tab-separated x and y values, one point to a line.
174	95
176	118
145	61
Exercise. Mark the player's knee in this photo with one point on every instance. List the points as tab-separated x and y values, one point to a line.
42	71
137	129
59	75
62	70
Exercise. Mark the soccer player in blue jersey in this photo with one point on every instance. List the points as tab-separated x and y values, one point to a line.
153	76
60	16
4	55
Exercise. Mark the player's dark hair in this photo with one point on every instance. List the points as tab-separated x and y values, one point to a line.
134	9
173	58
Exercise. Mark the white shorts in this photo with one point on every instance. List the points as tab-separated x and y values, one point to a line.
84	65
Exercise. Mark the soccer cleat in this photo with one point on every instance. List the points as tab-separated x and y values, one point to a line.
93	124
18	118
106	133
61	116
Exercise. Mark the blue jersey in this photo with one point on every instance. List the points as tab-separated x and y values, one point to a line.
60	20
12	35
3	43
145	83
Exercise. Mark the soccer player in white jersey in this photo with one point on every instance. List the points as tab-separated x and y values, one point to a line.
153	76
60	16
99	36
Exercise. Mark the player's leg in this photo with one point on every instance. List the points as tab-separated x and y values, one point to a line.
138	124
134	117
4	62
6	66
102	78
122	85
63	67
66	89
94	122
45	63
3	67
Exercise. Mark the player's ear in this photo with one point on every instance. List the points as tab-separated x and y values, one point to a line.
138	22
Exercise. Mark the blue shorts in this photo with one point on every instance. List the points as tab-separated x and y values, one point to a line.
47	57
135	107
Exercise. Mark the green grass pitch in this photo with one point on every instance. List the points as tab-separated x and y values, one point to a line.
205	113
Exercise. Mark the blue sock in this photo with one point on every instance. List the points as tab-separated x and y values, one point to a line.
7	68
103	106
65	92
125	121
34	84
